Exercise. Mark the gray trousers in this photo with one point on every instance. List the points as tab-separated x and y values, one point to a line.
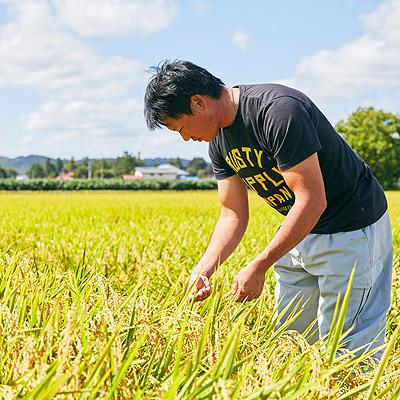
319	267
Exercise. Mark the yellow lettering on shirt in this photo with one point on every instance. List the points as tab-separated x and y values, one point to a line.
258	155
272	200
266	200
250	181
247	150
230	162
280	198
259	178
286	194
275	183
284	208
239	160
277	170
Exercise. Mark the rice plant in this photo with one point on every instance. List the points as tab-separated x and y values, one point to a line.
93	305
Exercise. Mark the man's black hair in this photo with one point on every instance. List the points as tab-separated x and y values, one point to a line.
171	87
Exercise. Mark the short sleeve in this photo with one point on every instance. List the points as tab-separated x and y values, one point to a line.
289	132
220	167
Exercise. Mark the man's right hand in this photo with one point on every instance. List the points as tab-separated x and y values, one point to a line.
227	234
201	289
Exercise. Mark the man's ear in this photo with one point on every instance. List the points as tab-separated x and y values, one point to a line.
197	103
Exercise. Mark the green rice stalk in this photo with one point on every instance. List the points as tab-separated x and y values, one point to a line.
383	363
45	383
94	394
175	382
101	358
127	362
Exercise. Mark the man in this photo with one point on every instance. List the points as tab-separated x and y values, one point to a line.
274	140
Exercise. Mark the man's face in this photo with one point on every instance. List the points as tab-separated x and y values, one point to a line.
192	127
201	125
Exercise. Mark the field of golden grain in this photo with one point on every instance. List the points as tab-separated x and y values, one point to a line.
93	306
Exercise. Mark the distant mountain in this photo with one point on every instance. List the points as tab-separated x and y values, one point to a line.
22	164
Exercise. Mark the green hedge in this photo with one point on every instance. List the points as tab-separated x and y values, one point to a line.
106	184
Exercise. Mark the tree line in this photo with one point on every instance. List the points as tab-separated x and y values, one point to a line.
85	168
373	134
106	169
8	173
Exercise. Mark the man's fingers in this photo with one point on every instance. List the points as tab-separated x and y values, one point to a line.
198	282
204	281
238	296
235	287
242	298
203	293
200	294
241	295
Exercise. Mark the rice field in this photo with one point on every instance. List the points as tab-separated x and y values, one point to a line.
93	305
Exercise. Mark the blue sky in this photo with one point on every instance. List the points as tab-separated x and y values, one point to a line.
72	73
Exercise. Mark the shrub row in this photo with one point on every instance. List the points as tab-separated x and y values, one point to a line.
106	184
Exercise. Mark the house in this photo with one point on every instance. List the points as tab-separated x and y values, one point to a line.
66	176
163	171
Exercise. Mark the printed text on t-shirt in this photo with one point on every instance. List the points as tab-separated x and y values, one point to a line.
245	161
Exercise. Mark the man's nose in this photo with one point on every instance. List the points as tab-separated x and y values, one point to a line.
184	137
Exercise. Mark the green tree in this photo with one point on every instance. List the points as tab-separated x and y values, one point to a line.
375	136
59	166
49	169
8	173
12	173
196	164
81	171
102	169
36	171
176	162
3	173
126	164
70	166
199	167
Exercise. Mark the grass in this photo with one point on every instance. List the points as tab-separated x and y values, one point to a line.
93	306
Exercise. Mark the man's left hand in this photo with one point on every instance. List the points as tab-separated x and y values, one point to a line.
249	282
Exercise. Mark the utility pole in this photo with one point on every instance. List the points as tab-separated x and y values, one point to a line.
89	169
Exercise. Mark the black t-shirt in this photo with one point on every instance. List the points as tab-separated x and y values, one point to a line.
277	127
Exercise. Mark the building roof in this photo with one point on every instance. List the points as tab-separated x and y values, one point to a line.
162	169
129	177
66	175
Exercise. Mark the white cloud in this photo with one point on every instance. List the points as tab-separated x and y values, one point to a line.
87	118
82	89
384	21
364	69
26	140
161	138
240	39
37	52
85	111
116	17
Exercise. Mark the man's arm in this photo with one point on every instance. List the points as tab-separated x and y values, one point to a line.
228	230
305	180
